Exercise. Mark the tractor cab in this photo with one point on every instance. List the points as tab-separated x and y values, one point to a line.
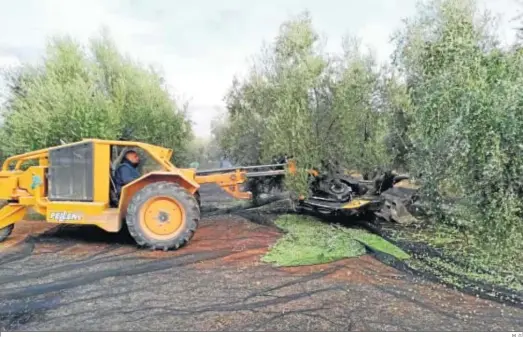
118	152
77	172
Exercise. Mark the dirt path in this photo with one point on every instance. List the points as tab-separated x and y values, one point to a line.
81	278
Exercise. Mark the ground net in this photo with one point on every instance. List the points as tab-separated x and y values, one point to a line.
311	240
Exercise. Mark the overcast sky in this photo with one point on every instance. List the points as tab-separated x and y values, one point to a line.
201	44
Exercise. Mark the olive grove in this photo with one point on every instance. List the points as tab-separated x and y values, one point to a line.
447	110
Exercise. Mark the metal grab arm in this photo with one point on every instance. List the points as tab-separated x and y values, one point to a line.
241	168
230	179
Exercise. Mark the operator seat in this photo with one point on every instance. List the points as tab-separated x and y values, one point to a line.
114	199
113	194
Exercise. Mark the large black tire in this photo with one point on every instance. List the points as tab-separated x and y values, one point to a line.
198	199
137	228
5	232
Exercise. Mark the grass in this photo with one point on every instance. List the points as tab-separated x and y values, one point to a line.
496	266
308	241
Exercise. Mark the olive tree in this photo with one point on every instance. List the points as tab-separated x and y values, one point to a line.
465	129
299	101
80	92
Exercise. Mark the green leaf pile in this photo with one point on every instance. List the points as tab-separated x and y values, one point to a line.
308	241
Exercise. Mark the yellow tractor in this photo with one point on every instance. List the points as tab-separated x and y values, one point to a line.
73	184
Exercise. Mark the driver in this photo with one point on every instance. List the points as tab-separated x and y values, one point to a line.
127	171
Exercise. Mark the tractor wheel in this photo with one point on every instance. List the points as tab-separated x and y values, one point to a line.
5	232
198	199
162	216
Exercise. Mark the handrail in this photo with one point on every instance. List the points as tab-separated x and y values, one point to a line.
21	158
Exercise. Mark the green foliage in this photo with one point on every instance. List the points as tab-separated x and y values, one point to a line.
80	93
377	243
308	241
300	102
204	151
397	111
464	261
465	119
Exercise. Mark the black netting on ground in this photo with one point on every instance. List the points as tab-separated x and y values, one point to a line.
266	214
424	252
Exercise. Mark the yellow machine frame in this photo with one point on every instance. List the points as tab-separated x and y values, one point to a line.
19	188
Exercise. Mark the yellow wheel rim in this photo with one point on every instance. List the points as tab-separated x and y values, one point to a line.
162	217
